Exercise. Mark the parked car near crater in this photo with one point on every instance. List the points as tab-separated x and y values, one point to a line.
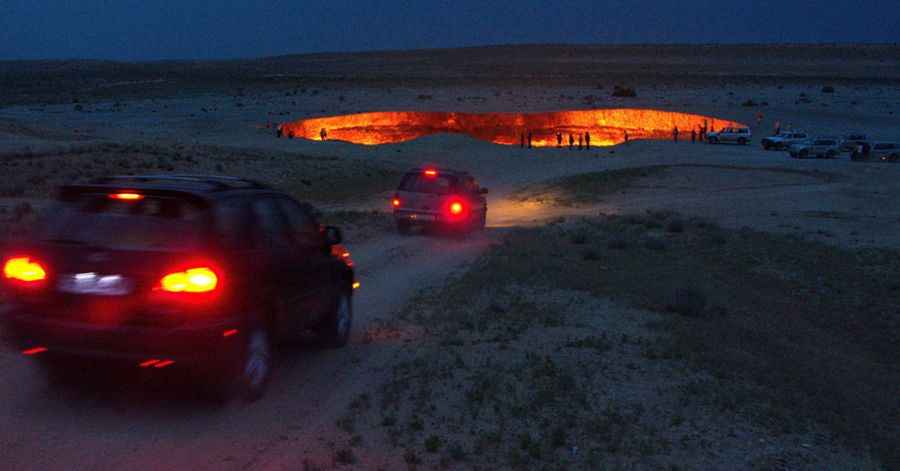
852	141
823	147
783	140
733	135
885	151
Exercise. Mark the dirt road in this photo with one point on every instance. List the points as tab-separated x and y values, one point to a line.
141	425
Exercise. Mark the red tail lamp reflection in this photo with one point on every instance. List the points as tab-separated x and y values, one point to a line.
606	126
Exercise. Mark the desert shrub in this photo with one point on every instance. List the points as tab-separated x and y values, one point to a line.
579	238
653	243
623	92
433	444
618	243
675	225
591	255
687	301
344	456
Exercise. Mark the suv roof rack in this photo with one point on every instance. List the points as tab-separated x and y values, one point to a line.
219	182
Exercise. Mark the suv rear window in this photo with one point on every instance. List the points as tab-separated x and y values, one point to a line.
151	223
420	183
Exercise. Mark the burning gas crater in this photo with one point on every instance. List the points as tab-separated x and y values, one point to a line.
607	127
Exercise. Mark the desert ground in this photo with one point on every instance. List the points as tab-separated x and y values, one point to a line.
647	305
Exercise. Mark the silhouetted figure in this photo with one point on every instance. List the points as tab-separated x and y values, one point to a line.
529	139
571	141
522	140
777	127
579	142
558	139
675	134
587	140
278	131
323	134
626	136
693	136
290	134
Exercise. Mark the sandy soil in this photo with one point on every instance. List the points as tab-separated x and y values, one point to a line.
141	425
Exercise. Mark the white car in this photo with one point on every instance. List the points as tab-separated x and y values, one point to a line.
884	151
735	135
823	147
783	140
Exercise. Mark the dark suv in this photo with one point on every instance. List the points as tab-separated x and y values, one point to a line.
177	270
439	198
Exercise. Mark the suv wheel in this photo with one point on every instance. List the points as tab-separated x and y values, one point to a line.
742	141
766	146
255	364
335	330
713	140
244	375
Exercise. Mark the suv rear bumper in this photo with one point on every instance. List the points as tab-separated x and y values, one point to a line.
413	217
200	342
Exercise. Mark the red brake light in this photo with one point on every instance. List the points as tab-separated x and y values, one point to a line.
192	280
456	208
24	269
396	202
126	196
431	172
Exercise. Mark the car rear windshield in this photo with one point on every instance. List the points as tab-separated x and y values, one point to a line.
150	223
421	183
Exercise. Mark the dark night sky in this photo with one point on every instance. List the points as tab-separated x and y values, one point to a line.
202	29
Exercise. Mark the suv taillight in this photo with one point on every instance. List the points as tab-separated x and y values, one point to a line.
24	270
192	280
456	208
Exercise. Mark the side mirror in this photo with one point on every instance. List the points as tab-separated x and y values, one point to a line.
333	236
482	191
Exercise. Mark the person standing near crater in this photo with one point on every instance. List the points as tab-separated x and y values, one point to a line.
571	141
587	140
558	139
323	134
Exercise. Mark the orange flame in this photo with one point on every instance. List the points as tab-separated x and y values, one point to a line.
606	126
